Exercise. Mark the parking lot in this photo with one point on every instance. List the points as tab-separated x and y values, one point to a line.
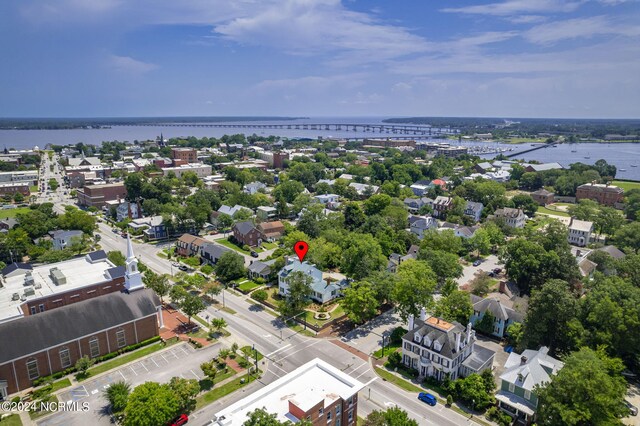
487	265
134	373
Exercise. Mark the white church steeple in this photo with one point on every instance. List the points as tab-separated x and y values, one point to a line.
132	278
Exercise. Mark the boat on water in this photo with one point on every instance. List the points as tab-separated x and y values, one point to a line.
622	170
634	165
574	150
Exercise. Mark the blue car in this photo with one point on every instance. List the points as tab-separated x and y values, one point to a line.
428	398
508	349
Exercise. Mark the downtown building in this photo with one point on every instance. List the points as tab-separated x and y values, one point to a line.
83	307
316	391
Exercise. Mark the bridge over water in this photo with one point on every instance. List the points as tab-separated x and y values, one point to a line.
387	129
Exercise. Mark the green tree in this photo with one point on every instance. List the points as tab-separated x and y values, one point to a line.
376	204
134	183
414	288
628	237
297	297
444	264
288	190
393	416
151	404
116	257
230	266
157	282
83	364
473	391
360	302
588	390
117	393
218	324
552	310
480	242
353	216
486	323
515	334
442	240
362	256
480	284
526	203
210	369
186	390
191	305
456	306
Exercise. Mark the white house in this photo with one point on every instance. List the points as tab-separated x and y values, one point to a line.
580	232
323	290
62	239
127	210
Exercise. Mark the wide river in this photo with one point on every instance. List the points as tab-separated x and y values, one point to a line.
623	155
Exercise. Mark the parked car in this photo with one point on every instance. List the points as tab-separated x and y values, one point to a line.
175	264
254	254
428	398
633	410
508	349
180	420
497	270
477	262
124	235
183	267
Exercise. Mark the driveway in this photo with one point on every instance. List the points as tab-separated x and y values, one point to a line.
489	263
499	359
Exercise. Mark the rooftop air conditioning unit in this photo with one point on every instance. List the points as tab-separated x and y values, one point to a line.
15	297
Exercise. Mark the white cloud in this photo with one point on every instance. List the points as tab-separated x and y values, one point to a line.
514	7
579	28
313	26
127	64
526	19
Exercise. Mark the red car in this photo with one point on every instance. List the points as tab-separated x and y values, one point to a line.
180	420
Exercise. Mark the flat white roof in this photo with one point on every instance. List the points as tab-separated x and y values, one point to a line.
79	273
306	386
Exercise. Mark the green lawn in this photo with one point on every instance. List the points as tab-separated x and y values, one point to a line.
33	188
123	359
228	310
270	246
7	213
12	420
544	210
401	383
387	350
248	351
232	246
37	414
248	286
627	186
336	313
61	384
224	390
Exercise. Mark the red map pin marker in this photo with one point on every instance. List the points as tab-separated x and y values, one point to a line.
301	249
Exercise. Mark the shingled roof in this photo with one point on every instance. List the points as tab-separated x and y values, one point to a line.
35	333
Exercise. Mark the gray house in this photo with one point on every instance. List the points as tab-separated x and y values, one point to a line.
211	252
522	373
422	225
503	315
323	290
438	348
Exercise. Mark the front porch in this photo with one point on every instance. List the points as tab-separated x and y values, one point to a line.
516	407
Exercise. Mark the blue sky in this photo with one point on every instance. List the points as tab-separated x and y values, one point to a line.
511	58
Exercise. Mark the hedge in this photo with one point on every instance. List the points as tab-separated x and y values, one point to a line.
111	355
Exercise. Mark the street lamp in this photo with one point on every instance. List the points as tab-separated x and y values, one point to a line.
384	337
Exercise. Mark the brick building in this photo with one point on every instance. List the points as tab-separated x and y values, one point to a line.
54	340
189	245
26	290
605	194
316	391
97	195
543	197
184	155
246	233
13	187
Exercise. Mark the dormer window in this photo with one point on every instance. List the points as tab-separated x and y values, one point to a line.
437	345
417	338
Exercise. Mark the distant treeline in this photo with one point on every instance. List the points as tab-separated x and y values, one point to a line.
501	127
78	123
